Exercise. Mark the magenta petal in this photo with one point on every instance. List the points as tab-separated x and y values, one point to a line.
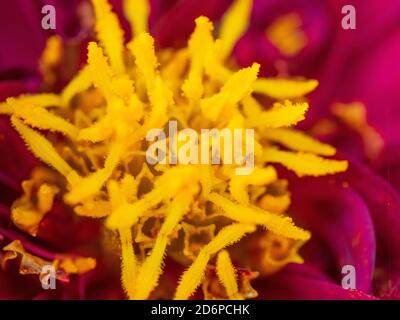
341	227
68	24
372	80
359	67
61	229
23	38
384	204
12	88
19	54
347	214
304	282
16	162
12	282
388	165
176	24
317	21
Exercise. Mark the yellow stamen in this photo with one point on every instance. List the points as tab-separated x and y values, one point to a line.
160	98
277	252
214	66
80	83
227	274
167	186
305	164
93	208
51	58
284	88
92	184
200	44
137	12
152	267
299	141
234	24
110	34
275	204
24	214
244	214
192	277
142	48
281	115
44	100
286	34
128	258
39	117
100	71
75	265
42	148
259	177
52	53
129	264
237	87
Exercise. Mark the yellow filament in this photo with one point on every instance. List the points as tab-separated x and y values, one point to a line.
304	164
129	264
41	147
284	88
110	34
137	12
152	267
234	24
281	115
299	141
227	274
80	83
251	215
192	277
142	48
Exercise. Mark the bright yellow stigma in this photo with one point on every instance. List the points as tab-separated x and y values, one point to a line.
189	213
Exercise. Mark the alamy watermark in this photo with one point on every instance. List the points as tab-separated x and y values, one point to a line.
48	277
187	146
349	279
49	18
349	20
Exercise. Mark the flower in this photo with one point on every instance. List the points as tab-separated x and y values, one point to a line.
201	218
